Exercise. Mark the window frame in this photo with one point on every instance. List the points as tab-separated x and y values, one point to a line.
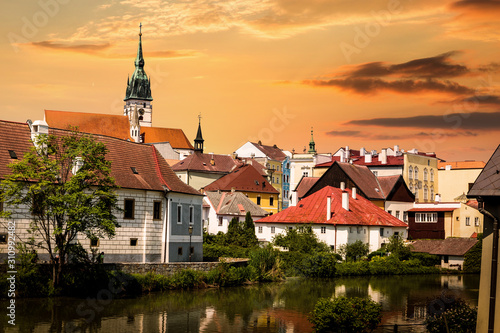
323	230
477	221
273	229
258	200
191	214
157	210
271	201
179	214
467	221
125	210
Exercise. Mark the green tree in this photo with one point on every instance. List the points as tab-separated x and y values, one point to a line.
249	236
62	205
346	315
301	239
472	259
234	231
398	248
354	251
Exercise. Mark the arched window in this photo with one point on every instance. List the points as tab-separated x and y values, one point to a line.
416	193
425	174
416	173
432	192
410	172
426	193
411	188
432	175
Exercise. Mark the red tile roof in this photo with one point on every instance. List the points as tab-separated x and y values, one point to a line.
244	179
273	152
262	169
364	179
462	165
234	203
305	185
473	203
116	126
153	171
312	209
206	163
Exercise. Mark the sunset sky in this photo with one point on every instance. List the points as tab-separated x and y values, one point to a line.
366	73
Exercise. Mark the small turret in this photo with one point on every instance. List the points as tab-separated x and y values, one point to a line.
312	145
198	141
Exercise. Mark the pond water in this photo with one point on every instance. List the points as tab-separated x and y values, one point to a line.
267	308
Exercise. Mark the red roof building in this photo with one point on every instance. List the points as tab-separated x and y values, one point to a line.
338	217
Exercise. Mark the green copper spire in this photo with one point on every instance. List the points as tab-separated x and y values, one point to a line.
198	142
138	86
312	145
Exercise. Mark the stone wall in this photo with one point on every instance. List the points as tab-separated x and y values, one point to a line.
158	268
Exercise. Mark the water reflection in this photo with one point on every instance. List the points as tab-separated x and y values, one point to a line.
277	307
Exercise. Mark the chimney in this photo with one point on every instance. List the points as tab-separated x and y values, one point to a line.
437	198
38	127
342	157
232	189
328	208
347	153
354	193
382	158
342	186
396	150
345	200
368	158
362	152
212	161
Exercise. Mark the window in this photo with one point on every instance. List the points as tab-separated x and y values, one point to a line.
426	193
381	232
405	216
323	230
426	217
476	221
350	230
191	214
271	201
179	214
375	173
445	259
191	249
260	230
305	173
156	210
416	193
133	241
396	234
220	221
273	230
258	201
179	251
94	242
425	174
12	154
128	208
398	214
389	211
432	175
3	238
467	220
416	173
410	172
432	193
358	229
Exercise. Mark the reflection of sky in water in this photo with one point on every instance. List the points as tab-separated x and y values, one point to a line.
269	308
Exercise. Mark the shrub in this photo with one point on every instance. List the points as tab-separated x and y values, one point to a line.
354	251
426	259
353	268
347	315
456	317
266	264
319	265
472	259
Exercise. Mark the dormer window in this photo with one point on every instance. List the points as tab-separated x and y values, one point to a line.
13	154
134	170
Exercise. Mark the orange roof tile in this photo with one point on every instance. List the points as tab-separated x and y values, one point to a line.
312	209
174	136
206	163
244	179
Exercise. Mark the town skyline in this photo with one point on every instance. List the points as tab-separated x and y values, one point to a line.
420	75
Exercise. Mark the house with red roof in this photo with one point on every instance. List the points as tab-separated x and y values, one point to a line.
387	192
247	180
224	206
158	208
338	217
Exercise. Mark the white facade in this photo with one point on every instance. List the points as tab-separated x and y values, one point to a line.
249	150
335	236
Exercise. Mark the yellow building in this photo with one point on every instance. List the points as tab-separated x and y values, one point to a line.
420	172
455	178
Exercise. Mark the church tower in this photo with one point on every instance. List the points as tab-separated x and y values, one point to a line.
198	141
312	145
138	98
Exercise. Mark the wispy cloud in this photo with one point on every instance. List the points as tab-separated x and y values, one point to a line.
463	121
365	135
81	48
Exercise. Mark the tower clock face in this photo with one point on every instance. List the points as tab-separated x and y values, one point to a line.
141	112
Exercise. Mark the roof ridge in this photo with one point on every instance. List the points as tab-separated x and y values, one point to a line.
220	202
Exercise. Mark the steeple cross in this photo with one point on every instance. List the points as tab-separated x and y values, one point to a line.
140	29
199	118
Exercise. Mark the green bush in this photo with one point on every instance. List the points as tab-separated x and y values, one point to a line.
265	263
426	259
320	265
472	259
353	268
354	251
228	251
346	315
456	317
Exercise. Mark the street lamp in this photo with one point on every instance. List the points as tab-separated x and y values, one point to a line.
190	230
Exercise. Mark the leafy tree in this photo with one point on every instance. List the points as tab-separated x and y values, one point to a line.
234	231
301	239
249	236
455	316
354	251
346	315
60	204
397	248
472	259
